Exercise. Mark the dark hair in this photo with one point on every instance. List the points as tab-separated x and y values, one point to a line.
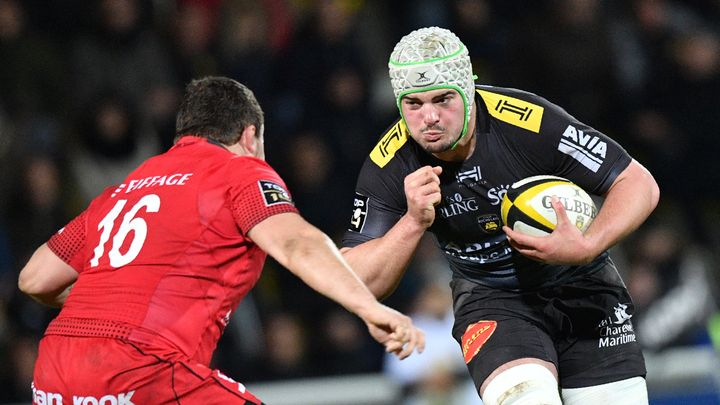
217	108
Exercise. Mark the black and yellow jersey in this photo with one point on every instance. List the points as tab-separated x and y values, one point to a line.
519	134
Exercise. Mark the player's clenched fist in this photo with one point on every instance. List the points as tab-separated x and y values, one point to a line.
422	190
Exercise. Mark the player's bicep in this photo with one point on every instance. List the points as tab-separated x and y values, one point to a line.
46	274
279	235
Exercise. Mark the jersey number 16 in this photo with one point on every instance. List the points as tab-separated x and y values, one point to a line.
130	222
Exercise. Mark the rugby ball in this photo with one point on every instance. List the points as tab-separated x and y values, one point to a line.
527	208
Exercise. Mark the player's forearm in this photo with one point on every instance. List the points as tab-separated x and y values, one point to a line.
381	262
46	278
628	203
318	263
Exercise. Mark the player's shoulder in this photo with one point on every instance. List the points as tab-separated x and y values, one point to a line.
486	90
520	108
108	192
248	162
394	141
243	169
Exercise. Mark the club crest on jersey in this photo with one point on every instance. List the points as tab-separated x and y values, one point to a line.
274	193
359	214
489	223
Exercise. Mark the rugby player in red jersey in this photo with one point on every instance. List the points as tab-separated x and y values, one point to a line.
148	275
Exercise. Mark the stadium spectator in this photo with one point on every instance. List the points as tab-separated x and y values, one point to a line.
123	54
438	375
112	139
670	281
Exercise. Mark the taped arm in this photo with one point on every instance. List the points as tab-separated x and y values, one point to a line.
46	278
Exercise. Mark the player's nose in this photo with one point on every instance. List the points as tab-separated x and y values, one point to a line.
430	115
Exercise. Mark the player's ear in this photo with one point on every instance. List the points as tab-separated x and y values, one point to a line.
249	141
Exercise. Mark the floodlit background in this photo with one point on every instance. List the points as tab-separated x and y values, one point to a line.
88	89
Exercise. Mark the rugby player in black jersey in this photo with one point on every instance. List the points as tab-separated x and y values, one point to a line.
540	320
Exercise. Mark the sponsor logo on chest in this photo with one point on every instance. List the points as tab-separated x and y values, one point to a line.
496	194
473	175
456	204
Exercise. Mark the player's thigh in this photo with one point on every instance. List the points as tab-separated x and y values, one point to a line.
601	347
197	384
88	369
496	340
495	327
98	370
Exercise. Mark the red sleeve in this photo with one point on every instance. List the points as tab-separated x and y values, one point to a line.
69	242
259	194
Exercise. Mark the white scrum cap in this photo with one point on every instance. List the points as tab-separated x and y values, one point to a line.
432	58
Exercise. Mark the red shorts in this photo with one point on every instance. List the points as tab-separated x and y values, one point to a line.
104	371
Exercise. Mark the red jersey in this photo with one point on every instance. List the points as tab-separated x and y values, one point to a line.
164	257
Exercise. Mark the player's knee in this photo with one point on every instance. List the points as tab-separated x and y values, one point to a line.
525	384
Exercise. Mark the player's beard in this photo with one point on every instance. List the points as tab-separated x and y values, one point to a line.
443	145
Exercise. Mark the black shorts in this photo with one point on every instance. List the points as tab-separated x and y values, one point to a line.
583	327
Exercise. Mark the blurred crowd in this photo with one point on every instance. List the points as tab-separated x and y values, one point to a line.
88	89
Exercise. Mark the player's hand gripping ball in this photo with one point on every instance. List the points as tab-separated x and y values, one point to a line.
527	208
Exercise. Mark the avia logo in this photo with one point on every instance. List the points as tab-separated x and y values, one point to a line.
472	174
588	149
458	205
620	314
